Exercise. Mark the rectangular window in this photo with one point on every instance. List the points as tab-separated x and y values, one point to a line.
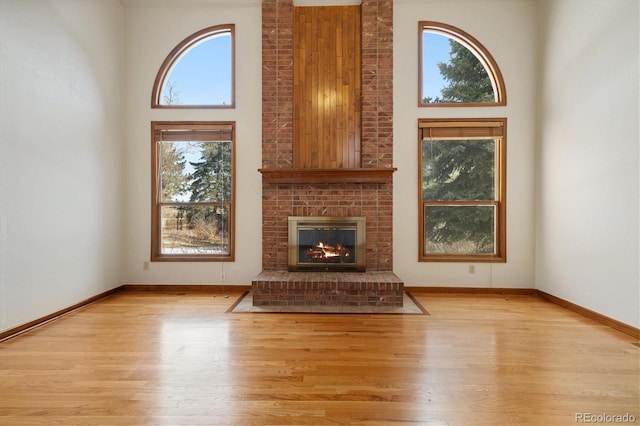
192	191
462	190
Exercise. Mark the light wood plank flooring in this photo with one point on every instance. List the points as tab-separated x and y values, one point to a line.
168	358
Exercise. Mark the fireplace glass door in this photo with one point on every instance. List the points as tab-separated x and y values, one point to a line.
326	243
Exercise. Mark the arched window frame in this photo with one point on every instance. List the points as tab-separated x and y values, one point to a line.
183	47
477	49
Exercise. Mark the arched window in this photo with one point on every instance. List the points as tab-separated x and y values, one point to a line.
462	161
456	70
198	73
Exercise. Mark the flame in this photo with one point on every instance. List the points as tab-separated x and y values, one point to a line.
327	251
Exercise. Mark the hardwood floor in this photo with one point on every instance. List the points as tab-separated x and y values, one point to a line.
167	358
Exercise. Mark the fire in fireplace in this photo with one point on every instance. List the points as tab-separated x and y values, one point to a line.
318	243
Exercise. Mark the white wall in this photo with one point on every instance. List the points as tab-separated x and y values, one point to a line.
61	152
588	193
152	31
507	30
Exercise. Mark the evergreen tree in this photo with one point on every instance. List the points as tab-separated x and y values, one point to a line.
460	169
174	181
211	182
468	80
466	76
211	179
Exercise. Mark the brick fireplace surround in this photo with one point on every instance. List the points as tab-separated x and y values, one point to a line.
378	286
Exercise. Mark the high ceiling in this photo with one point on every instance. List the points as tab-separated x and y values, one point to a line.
189	3
228	3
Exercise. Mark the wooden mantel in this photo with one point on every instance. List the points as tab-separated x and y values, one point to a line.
345	175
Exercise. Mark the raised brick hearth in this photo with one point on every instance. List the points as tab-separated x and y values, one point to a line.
281	288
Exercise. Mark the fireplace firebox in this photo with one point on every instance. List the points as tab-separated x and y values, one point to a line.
318	243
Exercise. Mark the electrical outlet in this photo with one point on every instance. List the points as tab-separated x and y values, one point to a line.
472	269
145	265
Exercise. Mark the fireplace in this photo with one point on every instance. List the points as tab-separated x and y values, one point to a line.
318	243
291	187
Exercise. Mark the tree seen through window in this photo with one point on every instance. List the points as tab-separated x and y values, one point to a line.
455	69
462	161
193	213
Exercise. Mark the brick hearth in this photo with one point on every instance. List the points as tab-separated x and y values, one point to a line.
282	288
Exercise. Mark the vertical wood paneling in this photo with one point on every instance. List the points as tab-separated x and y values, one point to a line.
327	87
